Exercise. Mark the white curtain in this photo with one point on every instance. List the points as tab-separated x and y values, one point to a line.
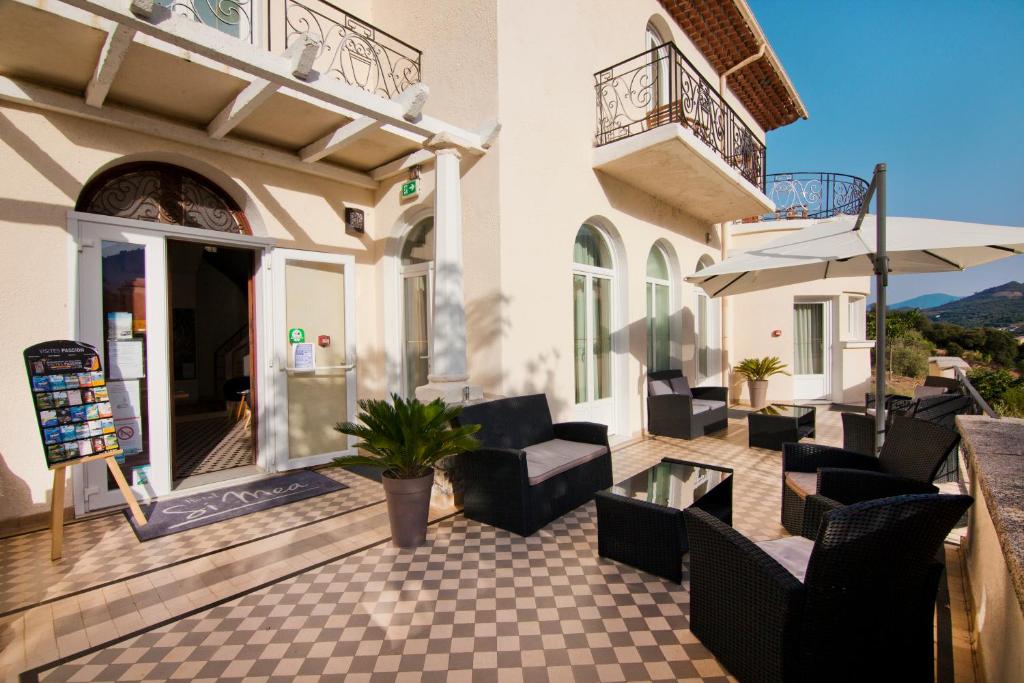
808	327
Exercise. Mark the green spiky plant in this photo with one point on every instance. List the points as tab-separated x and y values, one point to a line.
405	437
755	369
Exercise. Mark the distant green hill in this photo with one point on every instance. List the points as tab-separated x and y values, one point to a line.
925	301
1001	306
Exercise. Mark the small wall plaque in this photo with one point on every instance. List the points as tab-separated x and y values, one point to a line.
355	221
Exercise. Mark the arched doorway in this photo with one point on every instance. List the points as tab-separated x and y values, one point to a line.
417	285
173	319
593	286
175	292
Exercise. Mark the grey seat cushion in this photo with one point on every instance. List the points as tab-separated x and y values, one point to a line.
659	387
793	553
550	458
701	405
803	483
680	386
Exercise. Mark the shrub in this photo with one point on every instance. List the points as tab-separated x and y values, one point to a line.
1012	402
992	384
909	354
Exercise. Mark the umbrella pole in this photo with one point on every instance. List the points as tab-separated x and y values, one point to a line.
881	282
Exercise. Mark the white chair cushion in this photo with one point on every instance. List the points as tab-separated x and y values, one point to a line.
803	483
793	553
549	458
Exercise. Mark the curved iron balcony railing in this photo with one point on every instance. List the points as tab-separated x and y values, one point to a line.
661	86
814	194
351	49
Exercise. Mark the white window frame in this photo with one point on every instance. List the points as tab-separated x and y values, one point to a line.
856	317
667	284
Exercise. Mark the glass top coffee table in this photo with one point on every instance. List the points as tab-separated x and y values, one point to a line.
640	519
778	423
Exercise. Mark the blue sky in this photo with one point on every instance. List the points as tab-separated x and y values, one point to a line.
935	89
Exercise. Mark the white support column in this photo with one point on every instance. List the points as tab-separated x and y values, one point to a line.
449	377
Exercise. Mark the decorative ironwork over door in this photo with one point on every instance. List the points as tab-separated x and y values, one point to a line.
162	193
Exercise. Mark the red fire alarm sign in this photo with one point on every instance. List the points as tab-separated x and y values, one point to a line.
323	340
776	333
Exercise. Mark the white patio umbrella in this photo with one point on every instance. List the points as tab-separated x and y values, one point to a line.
848	246
833	247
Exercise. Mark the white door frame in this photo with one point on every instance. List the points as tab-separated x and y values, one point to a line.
808	389
714	340
279	352
601	410
406	272
85	226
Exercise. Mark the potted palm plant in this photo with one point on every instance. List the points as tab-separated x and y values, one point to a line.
405	438
757	371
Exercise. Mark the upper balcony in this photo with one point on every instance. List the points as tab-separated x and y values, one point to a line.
812	195
351	49
300	84
664	129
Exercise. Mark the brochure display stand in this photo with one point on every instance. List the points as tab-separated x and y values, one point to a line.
76	424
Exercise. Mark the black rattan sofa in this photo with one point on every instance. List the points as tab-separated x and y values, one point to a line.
913	452
528	471
856	604
676	409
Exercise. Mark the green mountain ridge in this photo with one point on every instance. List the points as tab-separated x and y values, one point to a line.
925	301
1000	306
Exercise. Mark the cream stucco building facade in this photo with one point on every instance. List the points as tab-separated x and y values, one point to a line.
538	252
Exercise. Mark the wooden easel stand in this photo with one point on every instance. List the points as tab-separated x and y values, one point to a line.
57	503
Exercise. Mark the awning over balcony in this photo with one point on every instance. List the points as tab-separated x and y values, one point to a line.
171	75
672	164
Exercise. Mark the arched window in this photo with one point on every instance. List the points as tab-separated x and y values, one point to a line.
657	292
417	277
706	324
162	193
592	316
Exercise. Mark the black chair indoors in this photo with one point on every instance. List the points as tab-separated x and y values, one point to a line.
676	409
528	471
856	604
913	452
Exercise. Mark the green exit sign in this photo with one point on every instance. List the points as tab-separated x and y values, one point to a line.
410	189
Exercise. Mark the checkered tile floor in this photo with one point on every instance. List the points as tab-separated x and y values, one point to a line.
203	446
102	550
475	603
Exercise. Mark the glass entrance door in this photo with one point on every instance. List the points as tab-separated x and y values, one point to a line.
314	344
810	351
122	311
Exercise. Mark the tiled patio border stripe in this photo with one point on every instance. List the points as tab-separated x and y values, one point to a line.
74	522
32	675
129	577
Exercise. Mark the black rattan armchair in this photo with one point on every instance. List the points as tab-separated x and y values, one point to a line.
856	604
528	471
676	409
913	452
